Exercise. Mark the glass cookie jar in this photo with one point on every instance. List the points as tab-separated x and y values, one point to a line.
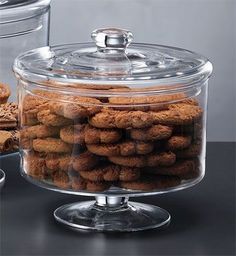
24	25
112	119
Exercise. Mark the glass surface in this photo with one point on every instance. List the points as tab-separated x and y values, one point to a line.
112	145
114	121
112	59
19	36
2	178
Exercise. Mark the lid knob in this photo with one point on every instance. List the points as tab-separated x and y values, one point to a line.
112	38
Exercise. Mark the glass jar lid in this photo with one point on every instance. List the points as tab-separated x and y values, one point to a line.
15	10
113	59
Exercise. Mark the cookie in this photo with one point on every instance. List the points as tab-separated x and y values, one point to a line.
34	165
84	161
124	148
75	107
111	172
8	116
158	159
121	119
155	103
148	183
61	180
6	141
57	162
31	106
178	142
79	183
195	130
51	145
177	114
180	168
50	119
39	131
73	134
95	136
16	138
155	132
4	93
194	150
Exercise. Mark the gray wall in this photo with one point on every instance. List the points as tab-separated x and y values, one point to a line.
204	26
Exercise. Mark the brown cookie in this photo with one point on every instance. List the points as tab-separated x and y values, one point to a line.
177	114
51	145
178	142
39	131
75	107
95	136
194	150
158	159
121	119
84	161
8	116
32	104
126	148
61	180
194	130
180	168
148	183
155	132
111	172
58	162
73	134
146	103
79	183
5	93
34	165
50	119
6	141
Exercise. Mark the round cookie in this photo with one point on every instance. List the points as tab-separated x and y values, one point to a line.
51	145
148	183
39	131
178	169
124	148
57	162
34	165
79	183
178	142
76	107
84	133
61	180
155	132
84	161
109	118
194	150
5	93
95	136
154	103
50	119
73	134
177	114
159	159
111	172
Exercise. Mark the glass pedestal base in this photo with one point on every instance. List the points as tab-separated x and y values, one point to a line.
112	214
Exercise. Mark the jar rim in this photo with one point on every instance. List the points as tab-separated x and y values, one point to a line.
22	10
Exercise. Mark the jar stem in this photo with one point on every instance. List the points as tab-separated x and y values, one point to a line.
111	202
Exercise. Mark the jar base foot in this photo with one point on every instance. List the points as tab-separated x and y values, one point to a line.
125	217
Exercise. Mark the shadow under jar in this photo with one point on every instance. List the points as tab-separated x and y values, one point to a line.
114	122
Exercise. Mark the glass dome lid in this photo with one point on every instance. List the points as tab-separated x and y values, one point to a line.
15	10
113	59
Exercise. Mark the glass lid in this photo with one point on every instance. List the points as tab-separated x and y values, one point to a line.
113	59
14	10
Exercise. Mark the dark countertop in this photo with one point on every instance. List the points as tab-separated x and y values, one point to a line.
203	217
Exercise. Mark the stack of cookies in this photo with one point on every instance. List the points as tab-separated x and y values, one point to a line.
137	143
9	136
